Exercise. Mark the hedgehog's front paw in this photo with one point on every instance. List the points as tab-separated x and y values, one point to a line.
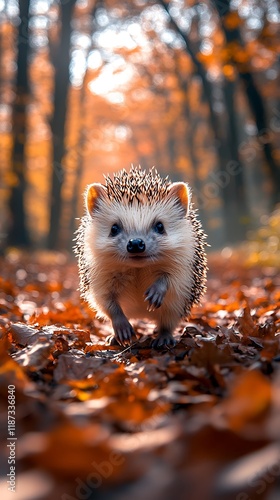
162	340
123	331
155	295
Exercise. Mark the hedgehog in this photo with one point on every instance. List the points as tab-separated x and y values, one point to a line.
141	253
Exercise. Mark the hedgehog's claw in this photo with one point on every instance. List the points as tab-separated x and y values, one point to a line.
163	340
123	332
155	295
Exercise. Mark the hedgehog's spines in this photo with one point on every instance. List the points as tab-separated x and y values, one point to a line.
79	250
136	185
200	260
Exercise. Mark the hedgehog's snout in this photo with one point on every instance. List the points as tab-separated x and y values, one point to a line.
136	245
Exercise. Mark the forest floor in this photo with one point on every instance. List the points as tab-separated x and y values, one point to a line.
200	421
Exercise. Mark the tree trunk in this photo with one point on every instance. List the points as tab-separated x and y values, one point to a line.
233	199
62	62
236	204
18	233
254	98
81	143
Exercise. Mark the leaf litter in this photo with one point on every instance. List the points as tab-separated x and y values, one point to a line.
99	421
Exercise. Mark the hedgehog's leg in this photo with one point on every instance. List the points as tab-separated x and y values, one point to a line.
166	324
156	293
155	296
164	338
123	330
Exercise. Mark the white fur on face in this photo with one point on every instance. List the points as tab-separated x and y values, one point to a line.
138	221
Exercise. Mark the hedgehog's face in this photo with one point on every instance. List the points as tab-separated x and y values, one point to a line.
137	234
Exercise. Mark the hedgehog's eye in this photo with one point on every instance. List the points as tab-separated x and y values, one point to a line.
159	228
115	230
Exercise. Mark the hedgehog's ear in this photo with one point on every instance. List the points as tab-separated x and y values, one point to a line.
94	193
180	191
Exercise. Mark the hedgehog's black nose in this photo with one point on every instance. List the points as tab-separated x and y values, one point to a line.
136	246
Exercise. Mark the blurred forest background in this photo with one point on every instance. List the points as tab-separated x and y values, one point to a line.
90	86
